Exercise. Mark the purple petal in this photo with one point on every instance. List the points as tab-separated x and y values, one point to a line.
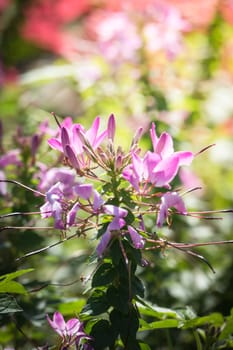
170	200
164	146
111	127
92	132
165	171
78	138
3	188
84	190
11	157
137	240
35	144
55	144
72	157
153	136
114	210
150	161
46	210
98	201
65	140
59	320
185	158
72	214
116	224
137	136
58	323
99	139
73	326
137	166
105	239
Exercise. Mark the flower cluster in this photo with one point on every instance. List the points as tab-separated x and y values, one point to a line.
79	190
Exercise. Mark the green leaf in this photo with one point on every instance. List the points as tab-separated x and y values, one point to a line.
156	311
103	335
138	287
127	326
118	298
12	287
8	304
9	286
215	319
72	307
168	323
96	304
13	275
228	328
104	275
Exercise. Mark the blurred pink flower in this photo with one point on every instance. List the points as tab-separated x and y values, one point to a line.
190	180
198	13
164	30
4	4
226	9
116	35
44	24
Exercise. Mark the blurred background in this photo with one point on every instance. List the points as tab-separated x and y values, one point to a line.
168	62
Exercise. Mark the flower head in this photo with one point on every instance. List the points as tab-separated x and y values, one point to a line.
72	331
158	167
170	200
73	139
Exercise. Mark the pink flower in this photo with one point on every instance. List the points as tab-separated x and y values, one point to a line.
116	224
72	331
73	137
170	200
53	205
137	239
115	227
159	167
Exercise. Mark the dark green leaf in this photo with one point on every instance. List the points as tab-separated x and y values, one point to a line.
138	287
103	335
8	304
118	298
104	275
96	304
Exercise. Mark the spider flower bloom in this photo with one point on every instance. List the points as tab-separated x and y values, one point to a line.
163	146
73	137
72	331
115	226
158	167
170	200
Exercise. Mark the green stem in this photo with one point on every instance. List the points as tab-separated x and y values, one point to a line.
198	340
169	341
